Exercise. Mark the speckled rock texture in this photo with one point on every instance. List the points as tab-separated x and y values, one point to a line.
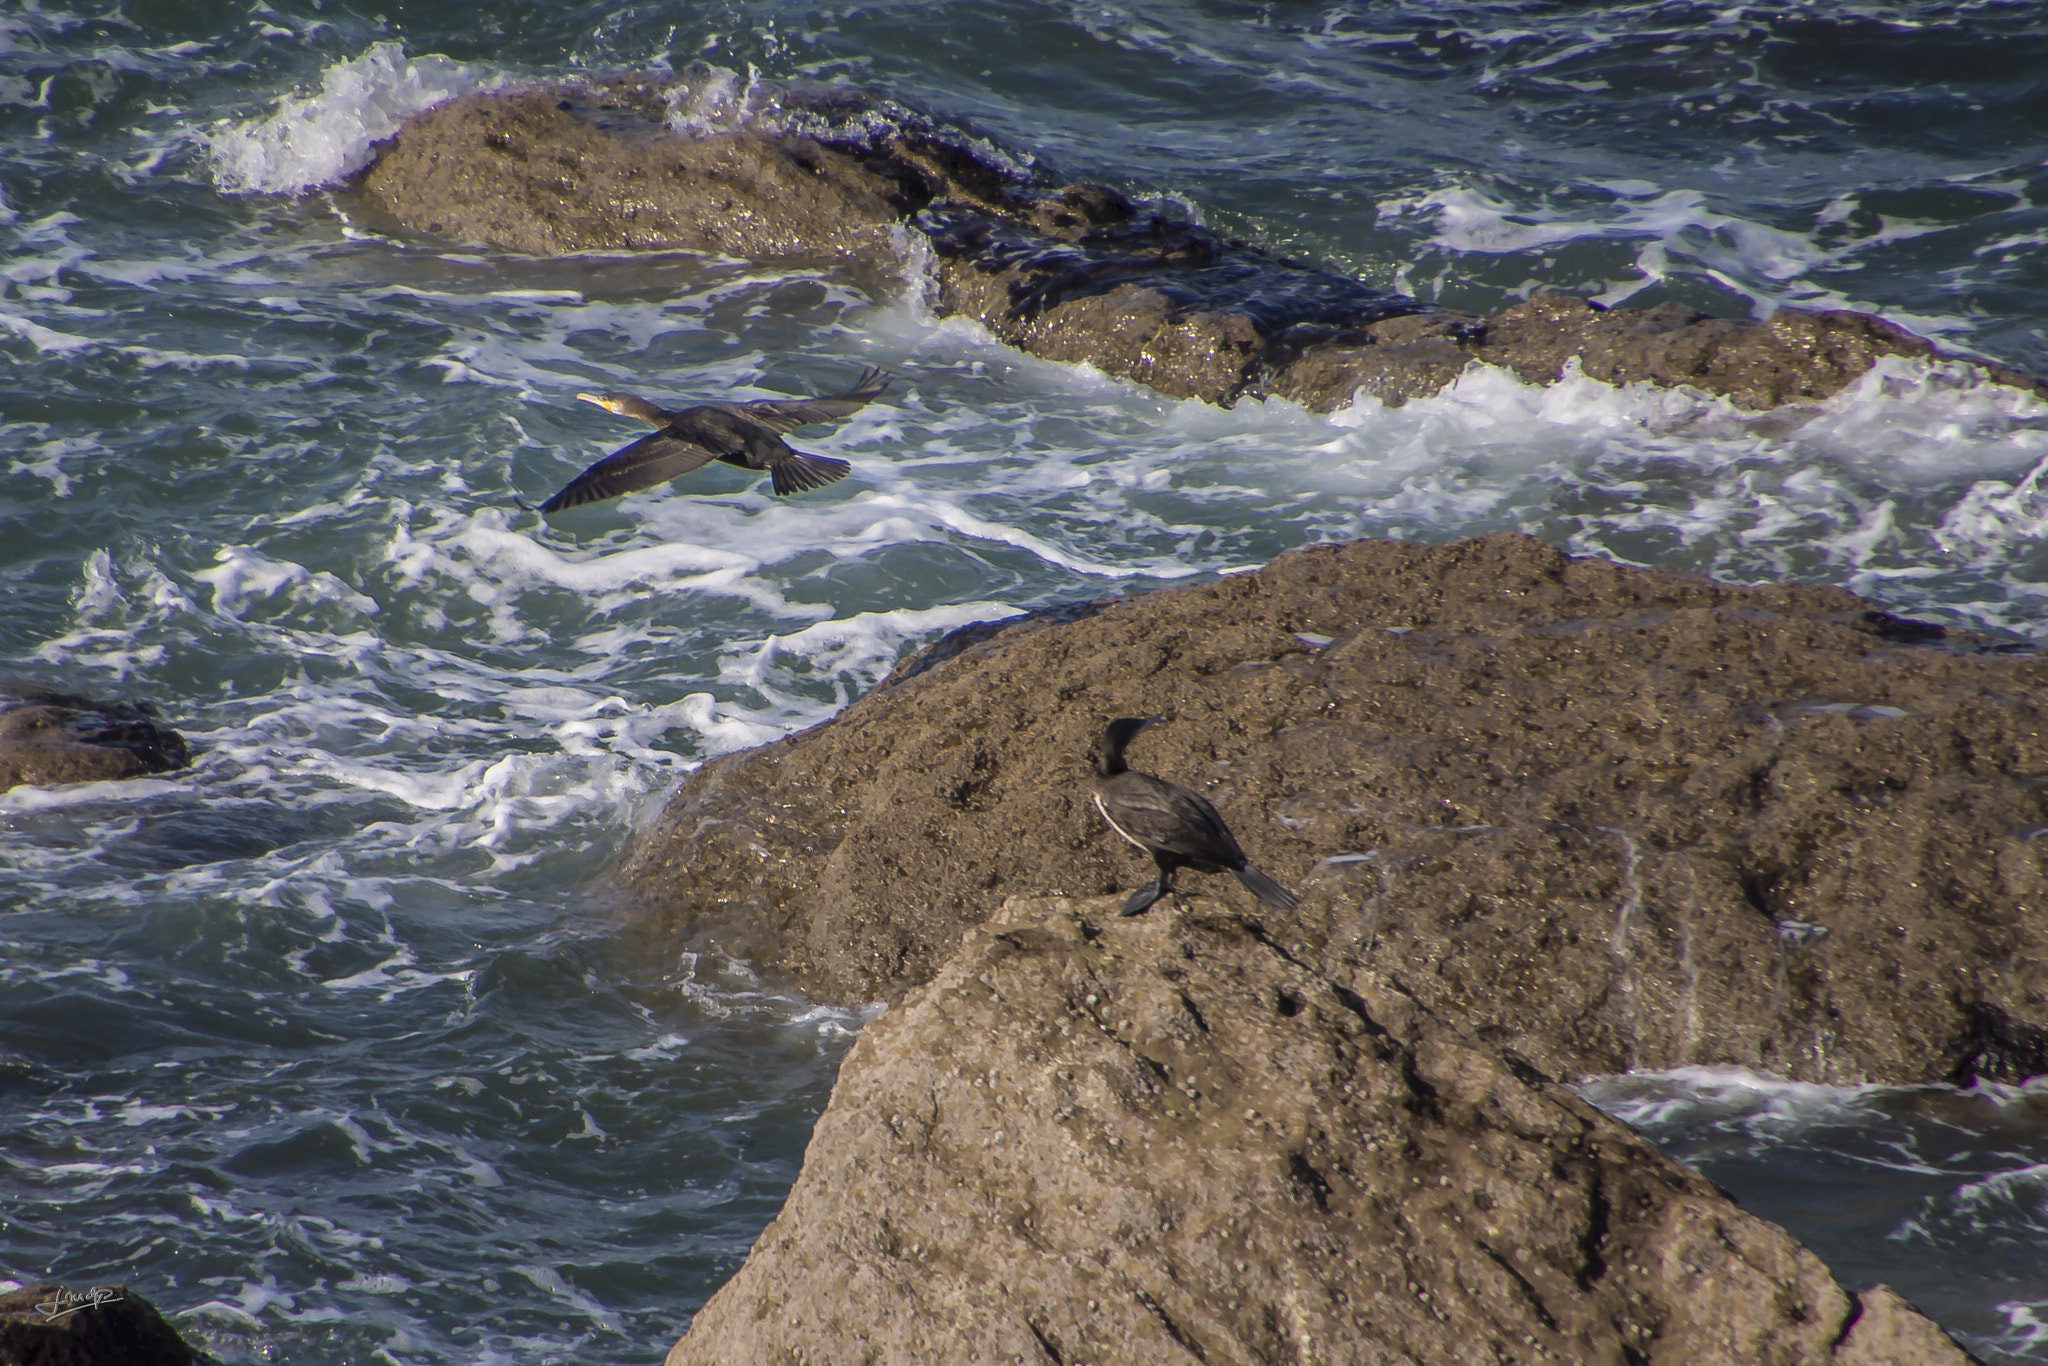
1605	818
51	737
552	171
1094	1140
1793	356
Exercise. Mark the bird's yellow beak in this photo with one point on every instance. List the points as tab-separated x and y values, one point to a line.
604	401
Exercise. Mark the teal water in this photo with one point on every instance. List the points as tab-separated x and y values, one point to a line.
327	1044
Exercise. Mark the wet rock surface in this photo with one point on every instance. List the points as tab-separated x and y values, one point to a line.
1605	818
566	169
1069	273
1135	293
103	1325
1793	356
53	737
1094	1140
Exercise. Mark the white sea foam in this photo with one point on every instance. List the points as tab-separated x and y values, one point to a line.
550	1280
1692	1097
1676	229
497	568
395	976
667	1048
320	139
854	651
25	798
243	576
2026	1327
718	100
2017	1195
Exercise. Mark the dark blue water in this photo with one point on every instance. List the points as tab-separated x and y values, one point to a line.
328	1045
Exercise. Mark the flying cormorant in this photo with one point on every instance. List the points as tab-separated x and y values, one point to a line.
1178	828
745	434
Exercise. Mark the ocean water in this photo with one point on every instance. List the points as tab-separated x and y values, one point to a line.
328	1044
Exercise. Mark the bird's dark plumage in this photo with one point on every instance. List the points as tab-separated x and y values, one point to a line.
1178	828
745	434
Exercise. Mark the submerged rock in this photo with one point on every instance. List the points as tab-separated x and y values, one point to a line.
1606	818
106	1325
51	737
1095	1140
1073	273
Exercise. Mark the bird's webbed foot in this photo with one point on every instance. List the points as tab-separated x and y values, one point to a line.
1142	899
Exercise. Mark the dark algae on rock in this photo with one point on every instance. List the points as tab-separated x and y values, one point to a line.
1607	818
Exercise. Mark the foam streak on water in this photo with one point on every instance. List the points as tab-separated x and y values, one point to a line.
333	1043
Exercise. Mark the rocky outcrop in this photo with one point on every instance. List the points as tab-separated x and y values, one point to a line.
1606	818
51	737
1093	1140
558	170
1793	356
1074	273
106	1325
1156	299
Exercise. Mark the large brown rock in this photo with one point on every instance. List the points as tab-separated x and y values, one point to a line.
552	171
1093	1140
106	1325
1072	274
50	737
1606	818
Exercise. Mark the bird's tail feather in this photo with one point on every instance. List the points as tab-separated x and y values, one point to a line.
1265	889
800	472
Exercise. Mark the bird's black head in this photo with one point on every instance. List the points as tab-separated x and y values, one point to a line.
1109	761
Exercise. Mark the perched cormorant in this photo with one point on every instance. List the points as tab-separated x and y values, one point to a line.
744	434
1178	828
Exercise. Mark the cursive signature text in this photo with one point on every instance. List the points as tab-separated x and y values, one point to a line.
71	1301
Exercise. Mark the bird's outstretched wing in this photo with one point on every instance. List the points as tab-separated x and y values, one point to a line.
784	415
653	459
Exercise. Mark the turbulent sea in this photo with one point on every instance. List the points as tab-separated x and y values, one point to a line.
326	1045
